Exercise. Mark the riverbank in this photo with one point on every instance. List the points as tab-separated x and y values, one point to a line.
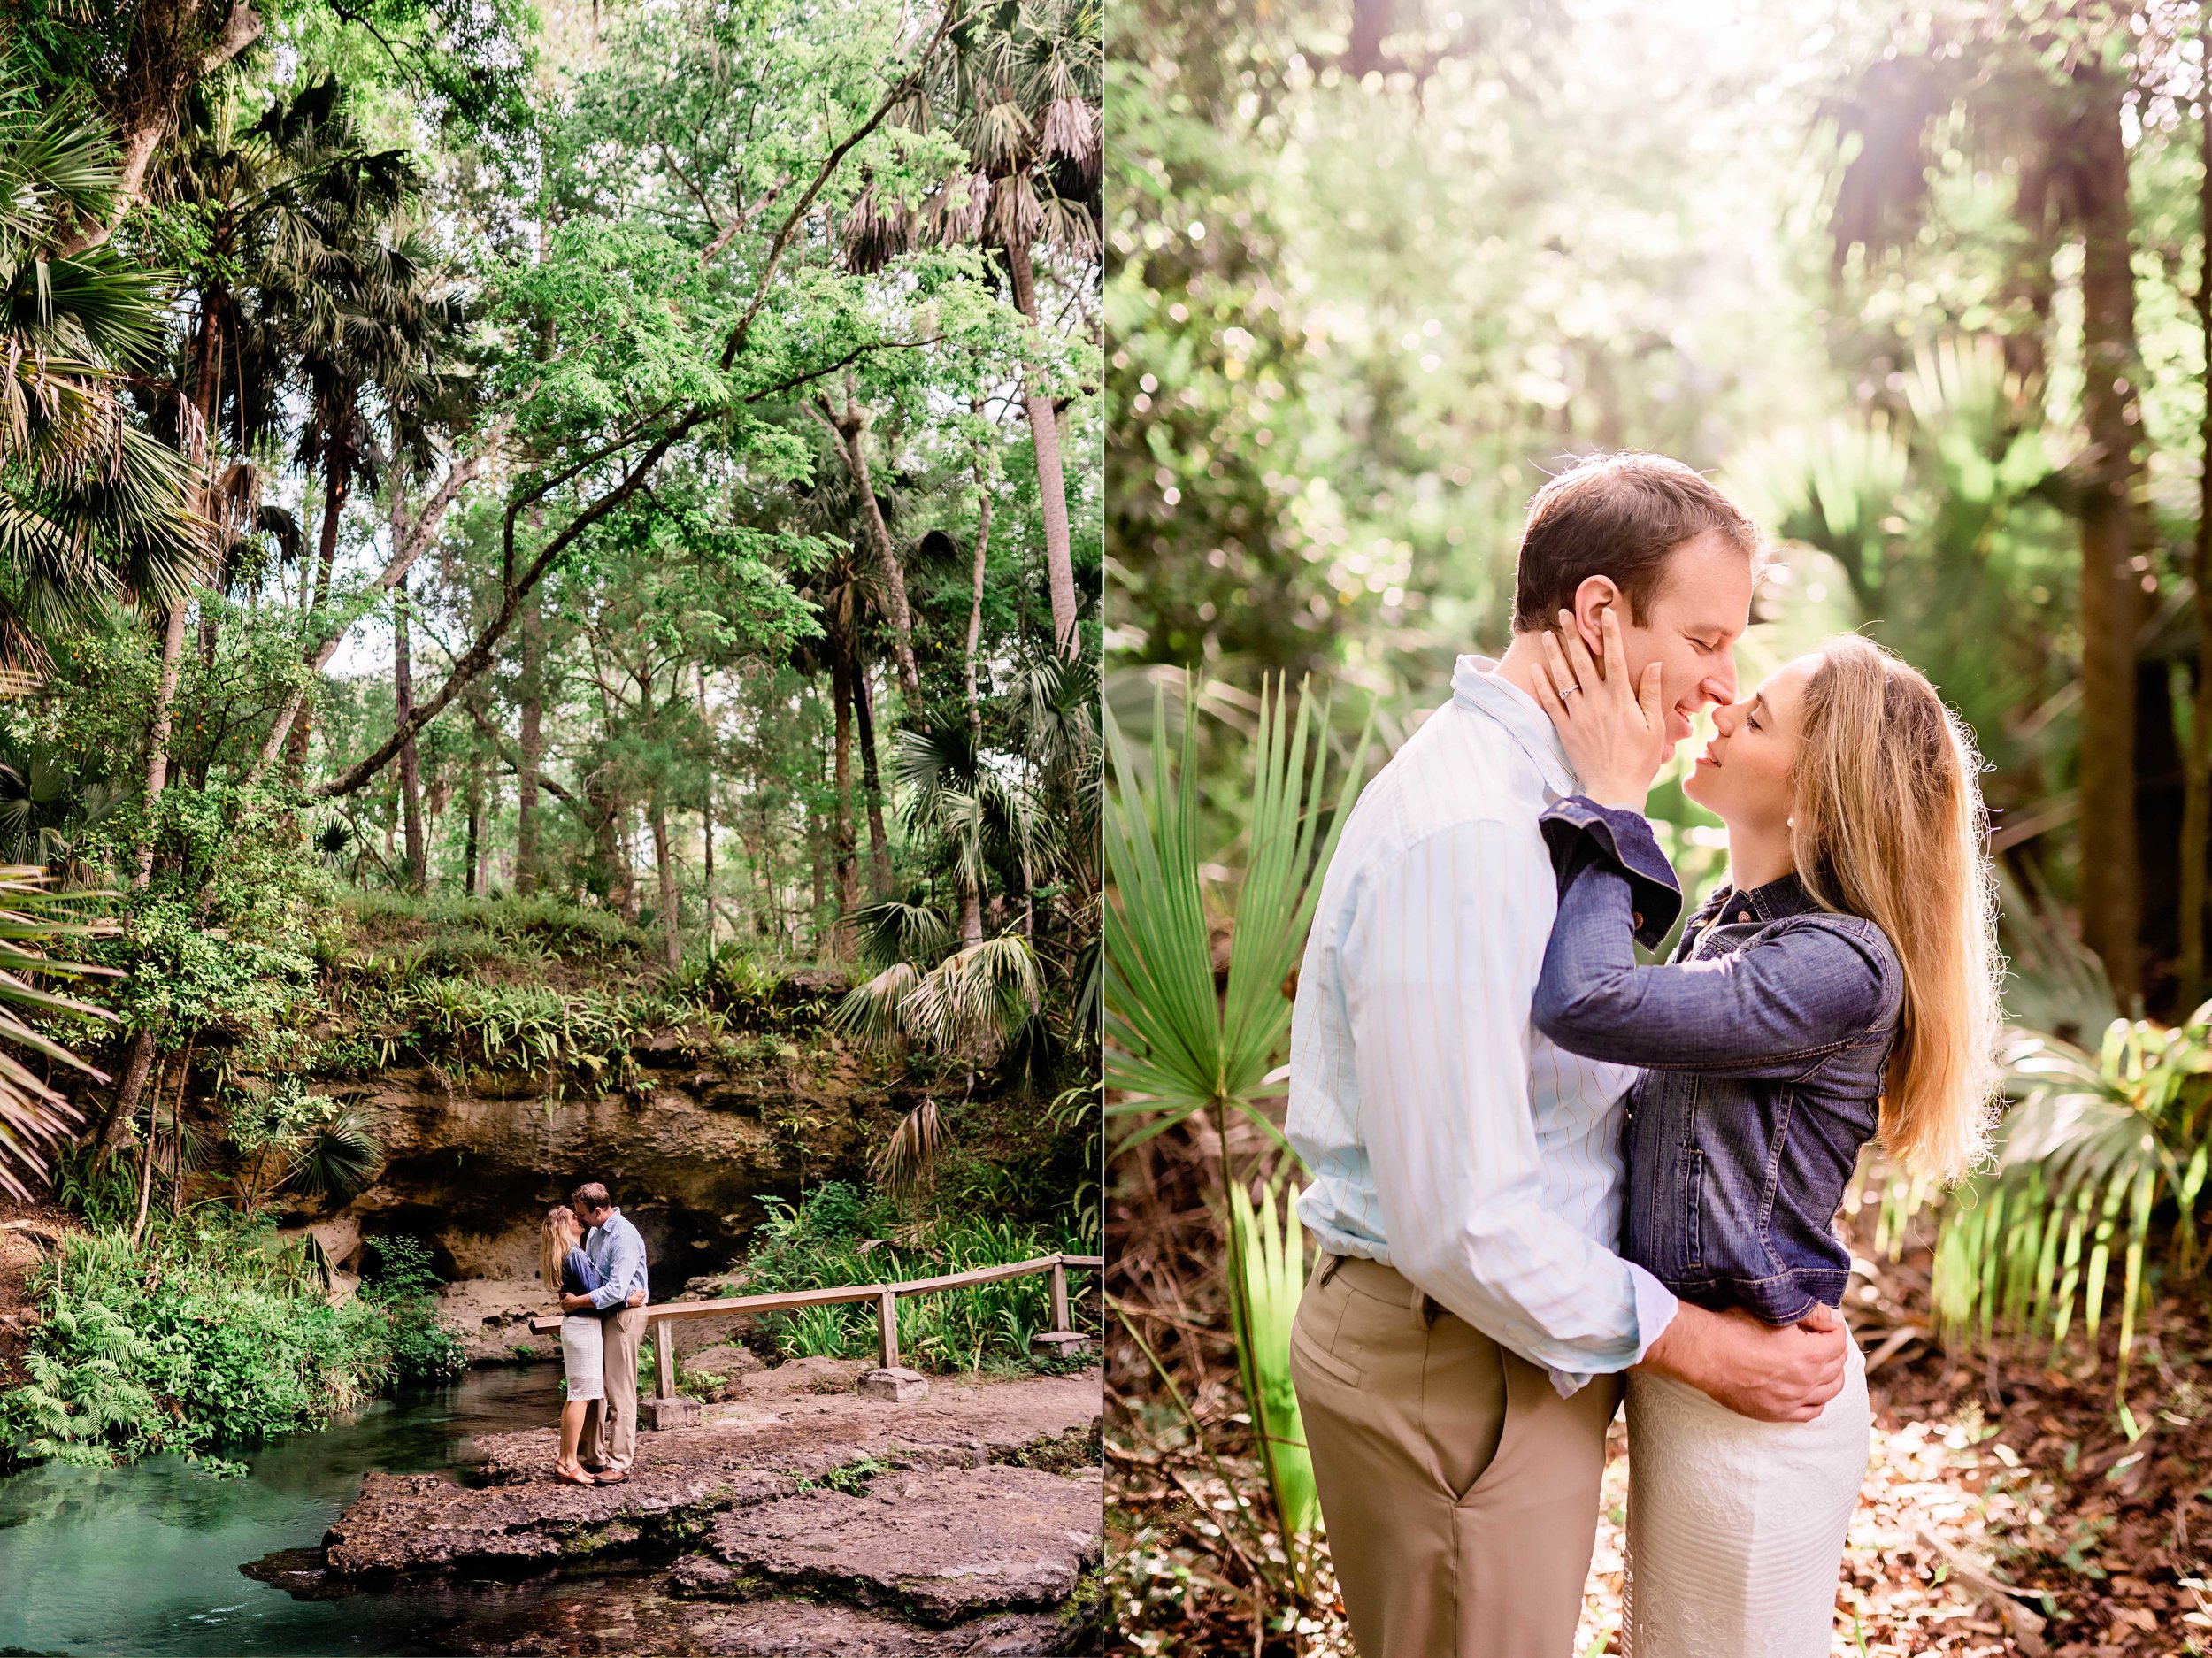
962	1527
796	1518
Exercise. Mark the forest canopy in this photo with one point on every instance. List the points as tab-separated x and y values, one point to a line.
639	457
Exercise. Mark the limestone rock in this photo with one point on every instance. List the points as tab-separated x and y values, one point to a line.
943	1547
897	1384
518	1511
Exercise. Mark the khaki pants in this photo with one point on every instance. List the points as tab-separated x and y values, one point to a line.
610	1424
1459	1489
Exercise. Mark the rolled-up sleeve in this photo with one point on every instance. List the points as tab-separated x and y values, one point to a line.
1441	958
1580	832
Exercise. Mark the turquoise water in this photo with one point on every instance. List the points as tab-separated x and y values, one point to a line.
148	1560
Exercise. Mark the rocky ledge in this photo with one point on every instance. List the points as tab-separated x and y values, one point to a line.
801	1517
940	1548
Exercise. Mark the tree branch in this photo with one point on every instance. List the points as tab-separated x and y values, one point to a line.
403	556
479	656
898	91
505	752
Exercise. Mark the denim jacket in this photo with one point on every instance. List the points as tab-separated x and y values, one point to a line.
579	1276
1763	1045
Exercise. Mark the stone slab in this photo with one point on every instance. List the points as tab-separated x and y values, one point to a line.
897	1384
941	1548
661	1416
515	1509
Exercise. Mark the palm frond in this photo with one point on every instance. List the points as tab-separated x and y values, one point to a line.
342	1155
2091	1150
1175	1044
908	1158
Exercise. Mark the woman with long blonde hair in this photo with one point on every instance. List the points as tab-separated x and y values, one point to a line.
567	1270
1841	987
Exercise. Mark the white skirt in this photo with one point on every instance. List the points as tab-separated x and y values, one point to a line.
1736	1528
583	1355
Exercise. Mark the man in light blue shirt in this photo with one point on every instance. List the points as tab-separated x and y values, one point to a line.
614	1246
1458	1350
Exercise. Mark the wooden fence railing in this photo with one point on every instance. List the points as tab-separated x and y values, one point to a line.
660	1318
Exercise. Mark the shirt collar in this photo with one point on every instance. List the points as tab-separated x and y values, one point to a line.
1785	896
1477	684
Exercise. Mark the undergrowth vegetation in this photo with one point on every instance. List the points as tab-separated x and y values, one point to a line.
210	1332
566	995
840	1235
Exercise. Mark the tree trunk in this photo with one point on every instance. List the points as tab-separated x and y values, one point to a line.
204	398
530	692
971	895
706	812
665	861
607	808
410	761
457	478
138	1064
157	738
338	481
2196	816
166	53
2112	584
850	429
844	939
470	883
872	783
159	725
1052	494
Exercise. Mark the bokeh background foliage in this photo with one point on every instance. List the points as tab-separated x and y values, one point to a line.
1924	285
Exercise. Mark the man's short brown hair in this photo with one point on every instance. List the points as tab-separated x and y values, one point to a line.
1618	516
591	1195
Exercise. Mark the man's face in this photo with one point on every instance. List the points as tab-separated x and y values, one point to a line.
1691	629
593	1217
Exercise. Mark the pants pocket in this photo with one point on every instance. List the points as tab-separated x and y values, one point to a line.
1463	1403
1320	1358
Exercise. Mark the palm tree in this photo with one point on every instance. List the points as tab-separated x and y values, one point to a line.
90	505
34	1115
980	809
373	360
1023	91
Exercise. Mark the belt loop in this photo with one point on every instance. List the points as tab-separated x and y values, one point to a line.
1329	1264
1431	1310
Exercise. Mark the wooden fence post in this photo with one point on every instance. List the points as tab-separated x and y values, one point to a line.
888	1329
1059	1295
664	1360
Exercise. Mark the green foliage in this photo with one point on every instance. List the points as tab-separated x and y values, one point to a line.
209	1332
849	1478
402	1283
2093	1150
103	1191
839	1237
1267	1275
34	1115
1180	1047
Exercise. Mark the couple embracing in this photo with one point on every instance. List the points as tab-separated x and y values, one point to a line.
1540	1168
593	1258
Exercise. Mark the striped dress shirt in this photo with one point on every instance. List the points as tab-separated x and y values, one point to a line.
1447	1138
